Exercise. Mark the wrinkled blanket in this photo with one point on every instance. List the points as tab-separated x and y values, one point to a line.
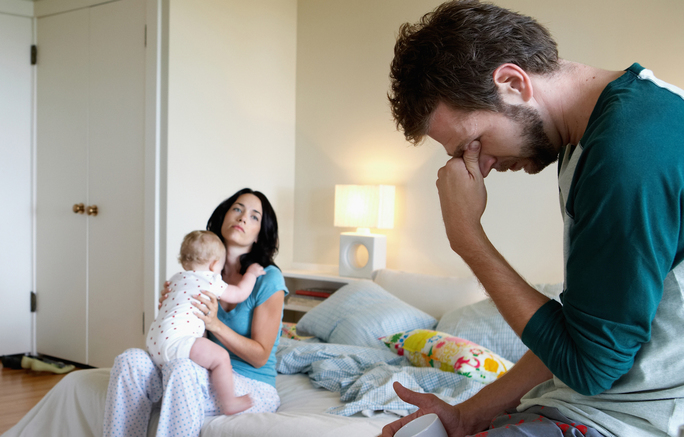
364	376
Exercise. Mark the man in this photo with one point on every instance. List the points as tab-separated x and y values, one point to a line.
488	85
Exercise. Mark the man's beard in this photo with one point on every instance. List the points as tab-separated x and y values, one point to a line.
537	147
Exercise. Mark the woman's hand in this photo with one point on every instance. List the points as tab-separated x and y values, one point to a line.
207	307
265	330
451	416
164	294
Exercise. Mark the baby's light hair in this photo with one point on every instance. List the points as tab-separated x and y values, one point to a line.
200	247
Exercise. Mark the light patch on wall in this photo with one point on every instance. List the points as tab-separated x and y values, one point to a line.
380	158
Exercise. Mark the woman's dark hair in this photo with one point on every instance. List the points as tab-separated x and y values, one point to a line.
450	56
266	246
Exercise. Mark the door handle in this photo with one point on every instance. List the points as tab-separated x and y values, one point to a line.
92	210
78	208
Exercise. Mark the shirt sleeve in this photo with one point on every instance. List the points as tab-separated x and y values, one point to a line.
627	212
268	284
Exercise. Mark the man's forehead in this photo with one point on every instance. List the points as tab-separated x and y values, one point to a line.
449	127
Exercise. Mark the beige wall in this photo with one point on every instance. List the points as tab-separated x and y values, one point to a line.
344	131
231	111
237	68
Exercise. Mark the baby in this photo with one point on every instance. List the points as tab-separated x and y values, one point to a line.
178	333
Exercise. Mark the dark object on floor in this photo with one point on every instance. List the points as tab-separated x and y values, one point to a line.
36	363
11	361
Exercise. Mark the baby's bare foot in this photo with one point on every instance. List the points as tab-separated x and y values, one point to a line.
238	405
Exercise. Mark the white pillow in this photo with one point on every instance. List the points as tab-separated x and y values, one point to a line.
482	323
433	294
359	314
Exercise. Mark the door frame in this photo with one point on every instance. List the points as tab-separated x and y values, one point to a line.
156	139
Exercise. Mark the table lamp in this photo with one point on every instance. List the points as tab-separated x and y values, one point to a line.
363	207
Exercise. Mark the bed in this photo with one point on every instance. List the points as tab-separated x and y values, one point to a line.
334	374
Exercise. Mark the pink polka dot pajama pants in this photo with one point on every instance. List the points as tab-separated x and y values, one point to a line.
137	385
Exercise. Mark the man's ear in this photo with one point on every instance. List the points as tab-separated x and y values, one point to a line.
513	83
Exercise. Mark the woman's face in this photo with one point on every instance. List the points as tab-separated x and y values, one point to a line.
242	222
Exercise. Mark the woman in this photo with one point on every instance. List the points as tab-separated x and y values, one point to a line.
249	331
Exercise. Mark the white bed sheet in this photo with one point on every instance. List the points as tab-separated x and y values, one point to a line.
300	414
75	408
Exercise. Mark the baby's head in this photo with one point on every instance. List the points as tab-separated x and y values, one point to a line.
201	251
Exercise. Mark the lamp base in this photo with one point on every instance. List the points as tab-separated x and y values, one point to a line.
376	245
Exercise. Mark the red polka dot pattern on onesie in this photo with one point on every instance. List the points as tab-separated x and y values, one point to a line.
183	311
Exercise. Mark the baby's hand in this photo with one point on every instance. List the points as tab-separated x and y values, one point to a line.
256	270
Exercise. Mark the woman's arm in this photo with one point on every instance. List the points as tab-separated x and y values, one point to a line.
265	328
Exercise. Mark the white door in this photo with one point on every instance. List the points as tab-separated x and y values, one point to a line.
16	34
116	183
90	141
62	166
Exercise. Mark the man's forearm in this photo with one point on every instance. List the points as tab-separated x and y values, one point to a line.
505	392
515	299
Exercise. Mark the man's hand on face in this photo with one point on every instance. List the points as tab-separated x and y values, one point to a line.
463	198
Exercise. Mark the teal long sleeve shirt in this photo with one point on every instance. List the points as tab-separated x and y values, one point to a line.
623	210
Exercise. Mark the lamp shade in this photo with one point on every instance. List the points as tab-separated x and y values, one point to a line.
364	206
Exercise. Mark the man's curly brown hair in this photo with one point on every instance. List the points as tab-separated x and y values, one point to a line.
450	55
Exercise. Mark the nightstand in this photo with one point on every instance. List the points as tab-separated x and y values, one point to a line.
297	305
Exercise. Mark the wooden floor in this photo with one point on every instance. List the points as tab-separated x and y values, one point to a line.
20	390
